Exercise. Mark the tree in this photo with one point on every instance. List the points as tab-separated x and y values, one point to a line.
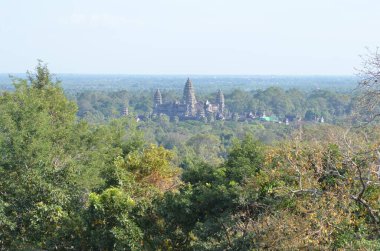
113	218
369	86
206	147
49	161
322	183
245	158
212	209
37	124
110	225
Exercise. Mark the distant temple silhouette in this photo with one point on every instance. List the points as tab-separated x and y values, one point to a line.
189	107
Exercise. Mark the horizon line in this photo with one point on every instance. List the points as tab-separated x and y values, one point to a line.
192	74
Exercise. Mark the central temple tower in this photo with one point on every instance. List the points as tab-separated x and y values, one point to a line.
189	98
220	101
157	98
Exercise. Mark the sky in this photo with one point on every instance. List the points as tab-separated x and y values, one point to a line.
248	37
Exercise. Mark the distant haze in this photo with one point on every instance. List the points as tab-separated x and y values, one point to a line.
293	37
76	83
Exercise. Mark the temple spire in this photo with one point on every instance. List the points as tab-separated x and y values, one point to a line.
189	98
157	98
220	101
189	93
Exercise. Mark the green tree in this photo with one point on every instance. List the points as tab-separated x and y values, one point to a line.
49	161
245	158
110	224
210	207
37	124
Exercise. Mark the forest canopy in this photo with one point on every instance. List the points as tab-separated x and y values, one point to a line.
70	184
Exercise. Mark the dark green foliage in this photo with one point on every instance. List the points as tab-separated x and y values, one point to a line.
202	214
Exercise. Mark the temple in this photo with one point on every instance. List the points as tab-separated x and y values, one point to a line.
189	108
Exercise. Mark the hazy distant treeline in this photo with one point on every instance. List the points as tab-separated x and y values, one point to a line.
99	106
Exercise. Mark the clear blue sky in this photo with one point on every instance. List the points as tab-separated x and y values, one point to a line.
294	37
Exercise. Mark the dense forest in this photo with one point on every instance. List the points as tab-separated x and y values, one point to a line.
75	175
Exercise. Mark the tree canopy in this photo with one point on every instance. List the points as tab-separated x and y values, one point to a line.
70	184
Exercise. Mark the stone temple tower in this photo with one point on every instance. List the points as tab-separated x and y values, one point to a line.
220	101
125	111
189	98
157	98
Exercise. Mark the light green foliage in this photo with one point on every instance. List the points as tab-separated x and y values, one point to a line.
111	227
245	158
49	161
37	124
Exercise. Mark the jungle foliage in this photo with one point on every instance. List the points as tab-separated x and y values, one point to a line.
66	184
